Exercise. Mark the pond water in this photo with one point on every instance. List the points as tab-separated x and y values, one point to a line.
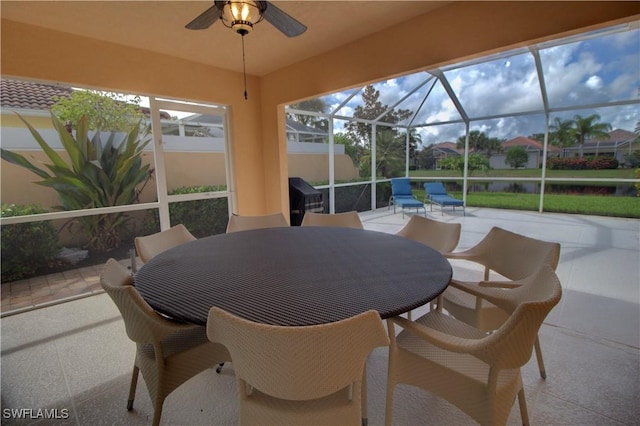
620	190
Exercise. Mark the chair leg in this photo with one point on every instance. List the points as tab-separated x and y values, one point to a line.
388	410
543	372
522	402
132	387
157	412
363	396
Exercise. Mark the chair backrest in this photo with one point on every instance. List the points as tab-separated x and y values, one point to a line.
401	187
343	220
515	256
152	245
435	188
441	236
529	304
142	323
245	223
298	363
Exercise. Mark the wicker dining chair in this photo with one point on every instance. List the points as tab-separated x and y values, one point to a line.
150	246
477	372
302	375
245	223
511	255
441	236
167	353
343	220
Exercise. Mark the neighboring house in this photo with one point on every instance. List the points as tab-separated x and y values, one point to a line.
444	150
619	144
534	148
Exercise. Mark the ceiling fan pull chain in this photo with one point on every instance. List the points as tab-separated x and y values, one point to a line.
244	70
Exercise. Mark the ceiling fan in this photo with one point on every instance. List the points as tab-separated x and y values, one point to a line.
242	15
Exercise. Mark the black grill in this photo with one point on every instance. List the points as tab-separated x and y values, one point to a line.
303	198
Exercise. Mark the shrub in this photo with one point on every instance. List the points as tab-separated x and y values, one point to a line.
26	247
633	159
201	217
582	163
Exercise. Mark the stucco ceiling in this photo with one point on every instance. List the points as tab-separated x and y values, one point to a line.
158	26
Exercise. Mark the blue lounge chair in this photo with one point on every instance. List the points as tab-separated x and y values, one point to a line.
436	194
402	196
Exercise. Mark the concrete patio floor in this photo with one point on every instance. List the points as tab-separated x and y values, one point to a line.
75	356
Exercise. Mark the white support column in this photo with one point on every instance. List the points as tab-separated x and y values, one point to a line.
332	177
373	165
158	158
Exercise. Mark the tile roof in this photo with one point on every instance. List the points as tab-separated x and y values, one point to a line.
530	144
39	96
616	137
30	95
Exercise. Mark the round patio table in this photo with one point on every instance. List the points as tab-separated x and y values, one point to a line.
293	276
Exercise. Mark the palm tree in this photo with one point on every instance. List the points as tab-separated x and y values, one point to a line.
589	127
562	132
477	141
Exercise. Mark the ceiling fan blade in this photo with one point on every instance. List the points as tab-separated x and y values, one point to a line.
283	22
205	19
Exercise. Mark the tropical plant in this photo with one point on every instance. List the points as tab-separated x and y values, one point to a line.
390	155
96	175
517	157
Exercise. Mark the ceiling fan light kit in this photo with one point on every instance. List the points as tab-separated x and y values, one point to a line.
242	15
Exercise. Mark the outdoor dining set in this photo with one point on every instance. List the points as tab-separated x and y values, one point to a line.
295	311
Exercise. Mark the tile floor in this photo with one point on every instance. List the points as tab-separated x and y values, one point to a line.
76	358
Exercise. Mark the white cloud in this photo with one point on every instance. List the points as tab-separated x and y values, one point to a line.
594	82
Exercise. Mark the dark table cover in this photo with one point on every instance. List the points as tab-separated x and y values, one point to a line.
294	276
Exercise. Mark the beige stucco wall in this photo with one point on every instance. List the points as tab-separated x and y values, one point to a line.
456	31
183	169
315	167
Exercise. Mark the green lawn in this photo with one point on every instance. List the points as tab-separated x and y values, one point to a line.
598	205
601	205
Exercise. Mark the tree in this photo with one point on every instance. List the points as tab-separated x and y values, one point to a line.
414	140
477	141
562	132
313	105
517	157
351	147
493	145
589	127
390	149
371	110
390	156
426	159
104	111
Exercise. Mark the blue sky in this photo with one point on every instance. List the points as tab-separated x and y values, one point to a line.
599	69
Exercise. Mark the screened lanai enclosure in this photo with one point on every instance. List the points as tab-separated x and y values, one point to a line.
551	127
544	127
